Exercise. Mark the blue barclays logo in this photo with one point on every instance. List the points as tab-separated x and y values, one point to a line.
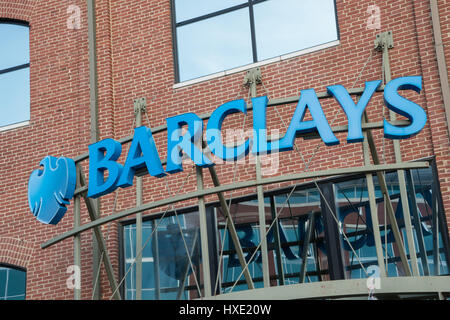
50	189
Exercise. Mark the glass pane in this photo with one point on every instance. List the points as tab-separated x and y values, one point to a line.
12	284
14	97
165	264
430	249
14	45
356	217
214	45
284	26
147	239
353	208
3	275
188	9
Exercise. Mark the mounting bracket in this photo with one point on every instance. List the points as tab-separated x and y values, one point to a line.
253	76
140	104
384	39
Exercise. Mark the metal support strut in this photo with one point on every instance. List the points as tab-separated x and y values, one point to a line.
99	237
140	106
252	78
384	42
94	135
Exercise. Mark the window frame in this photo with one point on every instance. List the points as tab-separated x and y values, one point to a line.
248	4
23	23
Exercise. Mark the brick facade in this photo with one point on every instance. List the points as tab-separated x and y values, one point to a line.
135	59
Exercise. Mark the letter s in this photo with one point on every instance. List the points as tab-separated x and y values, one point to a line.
405	107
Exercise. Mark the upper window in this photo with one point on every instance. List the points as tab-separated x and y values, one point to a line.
14	73
216	35
12	283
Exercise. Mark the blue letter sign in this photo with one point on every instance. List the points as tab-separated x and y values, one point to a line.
50	189
403	106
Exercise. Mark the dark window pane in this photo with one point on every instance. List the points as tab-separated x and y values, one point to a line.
14	96
148	276
16	283
3	275
284	26
164	257
188	9
147	239
214	45
12	284
14	48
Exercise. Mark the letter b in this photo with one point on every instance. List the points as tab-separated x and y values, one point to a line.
102	157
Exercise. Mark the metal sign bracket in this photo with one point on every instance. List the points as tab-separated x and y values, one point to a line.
384	39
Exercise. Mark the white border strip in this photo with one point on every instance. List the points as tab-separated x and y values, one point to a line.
256	64
15	126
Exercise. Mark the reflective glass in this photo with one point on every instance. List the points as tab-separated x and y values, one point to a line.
14	45
214	45
165	264
430	249
12	284
285	256
14	96
284	26
188	9
356	218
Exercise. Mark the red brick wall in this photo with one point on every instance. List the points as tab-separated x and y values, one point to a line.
135	60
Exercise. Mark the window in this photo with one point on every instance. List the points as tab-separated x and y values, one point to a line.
429	240
215	35
14	73
167	273
293	257
12	283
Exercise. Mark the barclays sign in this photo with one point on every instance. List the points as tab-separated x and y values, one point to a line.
143	154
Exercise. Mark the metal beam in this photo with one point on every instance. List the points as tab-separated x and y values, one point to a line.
234	186
252	78
441	61
139	108
343	288
94	128
373	206
77	238
389	207
100	240
232	229
203	235
386	42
